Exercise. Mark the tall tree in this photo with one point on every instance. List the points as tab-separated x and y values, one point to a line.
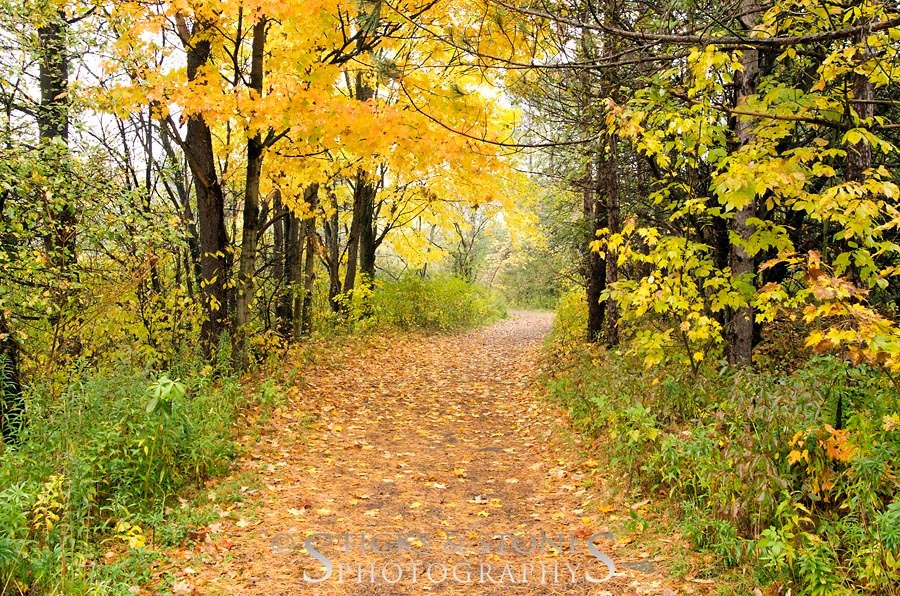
608	184
303	323
52	115
198	148
594	200
743	264
251	219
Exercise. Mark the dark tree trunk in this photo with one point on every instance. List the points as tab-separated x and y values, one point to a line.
740	352
720	243
279	252
332	258
251	224
594	267
360	223
608	191
12	404
370	240
53	112
53	126
309	267
53	130
368	244
293	269
210	205
859	155
361	239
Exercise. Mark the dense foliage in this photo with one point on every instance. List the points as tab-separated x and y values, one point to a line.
734	171
437	304
792	476
99	469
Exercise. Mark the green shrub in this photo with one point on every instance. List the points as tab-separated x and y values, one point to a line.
793	474
440	303
100	459
569	324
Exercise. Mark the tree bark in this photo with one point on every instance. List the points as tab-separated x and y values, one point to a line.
53	112
212	234
609	181
368	241
361	239
309	267
360	220
740	352
859	155
251	223
53	127
594	267
331	229
293	272
53	132
279	251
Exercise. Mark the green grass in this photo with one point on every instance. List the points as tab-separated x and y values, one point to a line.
101	467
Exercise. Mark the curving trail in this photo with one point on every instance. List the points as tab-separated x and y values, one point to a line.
443	441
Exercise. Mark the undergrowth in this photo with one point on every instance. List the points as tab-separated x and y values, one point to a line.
99	469
791	476
435	304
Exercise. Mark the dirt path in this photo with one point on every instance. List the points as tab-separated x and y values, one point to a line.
442	454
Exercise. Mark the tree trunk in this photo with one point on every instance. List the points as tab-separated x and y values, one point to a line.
361	239
309	266
212	234
293	274
859	155
59	240
331	229
742	264
357	223
250	229
53	127
279	252
53	116
608	183
368	231
53	132
369	240
594	268
368	244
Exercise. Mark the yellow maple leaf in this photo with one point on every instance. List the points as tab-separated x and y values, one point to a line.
794	456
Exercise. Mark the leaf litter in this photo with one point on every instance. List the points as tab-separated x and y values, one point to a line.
443	439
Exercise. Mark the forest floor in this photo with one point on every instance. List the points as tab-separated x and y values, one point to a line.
437	467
